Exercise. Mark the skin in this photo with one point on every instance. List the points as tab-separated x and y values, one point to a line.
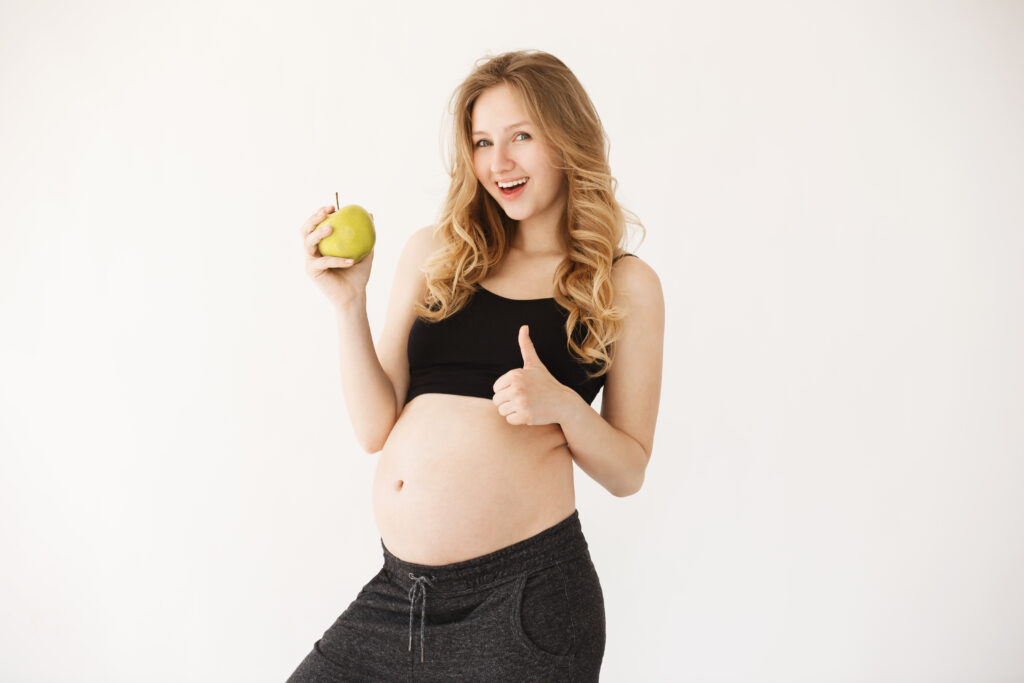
493	471
530	395
513	153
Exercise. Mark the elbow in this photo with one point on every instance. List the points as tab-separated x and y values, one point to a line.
371	446
633	488
375	446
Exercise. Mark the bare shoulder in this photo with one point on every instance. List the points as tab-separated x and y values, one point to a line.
636	281
422	242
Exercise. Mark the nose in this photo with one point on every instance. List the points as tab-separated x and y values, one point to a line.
501	160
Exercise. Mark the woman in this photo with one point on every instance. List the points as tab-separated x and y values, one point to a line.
503	323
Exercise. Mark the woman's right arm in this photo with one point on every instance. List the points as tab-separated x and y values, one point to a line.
369	393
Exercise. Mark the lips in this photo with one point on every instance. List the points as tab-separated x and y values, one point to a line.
515	191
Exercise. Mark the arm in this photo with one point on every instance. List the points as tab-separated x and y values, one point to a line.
610	457
614	447
369	393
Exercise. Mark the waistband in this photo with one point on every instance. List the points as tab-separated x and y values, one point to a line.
557	543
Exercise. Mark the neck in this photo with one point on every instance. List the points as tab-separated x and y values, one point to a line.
539	236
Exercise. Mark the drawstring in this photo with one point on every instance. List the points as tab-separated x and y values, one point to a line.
417	582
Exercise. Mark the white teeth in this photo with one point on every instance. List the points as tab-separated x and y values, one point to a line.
512	184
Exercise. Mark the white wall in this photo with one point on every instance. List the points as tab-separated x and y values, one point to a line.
832	193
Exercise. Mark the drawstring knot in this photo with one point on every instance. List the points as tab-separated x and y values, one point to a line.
417	583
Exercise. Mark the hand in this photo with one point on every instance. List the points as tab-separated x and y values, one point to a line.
340	279
529	395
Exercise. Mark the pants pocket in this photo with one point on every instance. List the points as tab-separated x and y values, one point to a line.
541	614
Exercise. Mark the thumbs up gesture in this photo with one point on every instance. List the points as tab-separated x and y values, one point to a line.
530	395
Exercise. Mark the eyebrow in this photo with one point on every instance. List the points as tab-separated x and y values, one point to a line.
520	123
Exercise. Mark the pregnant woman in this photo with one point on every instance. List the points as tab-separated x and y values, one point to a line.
504	321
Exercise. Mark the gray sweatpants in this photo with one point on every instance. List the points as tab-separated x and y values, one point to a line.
532	611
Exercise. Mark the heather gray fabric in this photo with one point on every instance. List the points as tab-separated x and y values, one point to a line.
532	611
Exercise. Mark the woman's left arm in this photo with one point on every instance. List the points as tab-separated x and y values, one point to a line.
614	447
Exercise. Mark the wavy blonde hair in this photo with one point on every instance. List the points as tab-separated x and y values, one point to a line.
475	233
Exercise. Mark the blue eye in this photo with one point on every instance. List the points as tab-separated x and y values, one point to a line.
517	135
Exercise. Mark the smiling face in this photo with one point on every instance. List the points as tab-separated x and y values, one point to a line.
508	146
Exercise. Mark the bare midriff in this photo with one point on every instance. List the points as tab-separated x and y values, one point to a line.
455	480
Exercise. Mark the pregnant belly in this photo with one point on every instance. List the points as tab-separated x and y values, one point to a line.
455	480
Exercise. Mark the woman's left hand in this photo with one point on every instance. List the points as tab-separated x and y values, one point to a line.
529	395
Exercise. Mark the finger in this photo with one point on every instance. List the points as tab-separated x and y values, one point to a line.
504	381
333	262
315	219
503	396
313	239
321	263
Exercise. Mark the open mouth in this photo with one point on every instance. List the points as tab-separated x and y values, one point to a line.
513	191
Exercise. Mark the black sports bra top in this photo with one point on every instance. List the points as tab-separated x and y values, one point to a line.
467	352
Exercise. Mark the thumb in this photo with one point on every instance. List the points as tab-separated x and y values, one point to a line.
529	352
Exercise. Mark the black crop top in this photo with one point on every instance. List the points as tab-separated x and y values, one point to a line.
467	352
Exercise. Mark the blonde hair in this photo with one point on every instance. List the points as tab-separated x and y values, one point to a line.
475	233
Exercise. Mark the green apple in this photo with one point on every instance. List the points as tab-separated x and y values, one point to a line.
352	236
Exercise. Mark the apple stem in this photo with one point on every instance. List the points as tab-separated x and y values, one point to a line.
336	204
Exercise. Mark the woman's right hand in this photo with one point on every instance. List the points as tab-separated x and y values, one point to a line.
341	280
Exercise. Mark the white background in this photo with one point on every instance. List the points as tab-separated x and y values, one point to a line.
833	199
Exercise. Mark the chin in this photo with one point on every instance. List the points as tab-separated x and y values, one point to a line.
517	213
